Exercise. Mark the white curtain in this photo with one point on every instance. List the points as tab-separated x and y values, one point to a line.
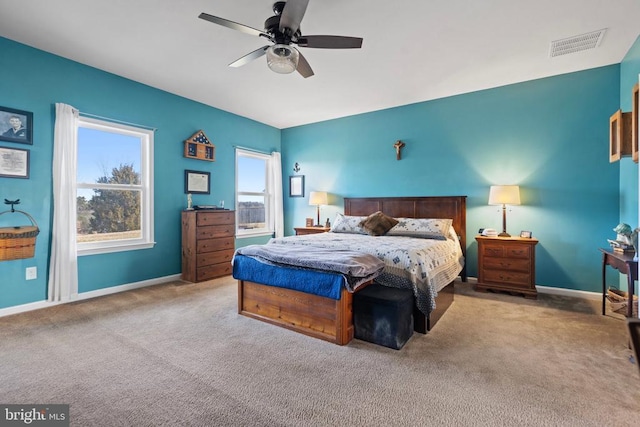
63	270
276	180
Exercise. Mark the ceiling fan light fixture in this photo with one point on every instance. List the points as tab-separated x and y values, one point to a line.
282	59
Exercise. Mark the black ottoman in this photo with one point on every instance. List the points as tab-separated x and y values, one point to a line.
383	315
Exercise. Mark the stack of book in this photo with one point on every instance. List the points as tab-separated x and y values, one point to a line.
621	247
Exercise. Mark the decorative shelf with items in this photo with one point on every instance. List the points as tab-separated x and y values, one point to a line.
199	146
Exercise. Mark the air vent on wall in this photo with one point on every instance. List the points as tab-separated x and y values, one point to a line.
576	43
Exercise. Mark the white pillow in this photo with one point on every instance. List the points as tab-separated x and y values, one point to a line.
424	228
348	224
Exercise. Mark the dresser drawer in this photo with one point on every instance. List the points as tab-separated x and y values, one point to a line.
215	257
216	218
212	271
209	245
510	264
215	231
510	277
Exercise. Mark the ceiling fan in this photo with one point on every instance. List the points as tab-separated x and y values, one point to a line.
283	30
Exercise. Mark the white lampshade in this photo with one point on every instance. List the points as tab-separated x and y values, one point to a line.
317	198
504	195
282	59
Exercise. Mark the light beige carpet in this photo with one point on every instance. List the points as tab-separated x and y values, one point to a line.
179	354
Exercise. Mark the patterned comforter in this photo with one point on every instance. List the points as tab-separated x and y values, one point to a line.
423	265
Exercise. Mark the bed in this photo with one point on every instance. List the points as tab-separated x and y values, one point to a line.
331	318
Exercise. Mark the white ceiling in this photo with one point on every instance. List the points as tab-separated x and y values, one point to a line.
413	50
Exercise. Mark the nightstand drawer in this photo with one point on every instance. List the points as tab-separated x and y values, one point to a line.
511	277
519	251
507	251
507	264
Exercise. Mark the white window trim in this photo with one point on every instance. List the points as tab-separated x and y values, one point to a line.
268	196
146	189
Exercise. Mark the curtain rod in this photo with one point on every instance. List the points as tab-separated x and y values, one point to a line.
251	149
108	119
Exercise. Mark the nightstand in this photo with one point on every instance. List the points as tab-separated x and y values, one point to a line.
507	264
300	231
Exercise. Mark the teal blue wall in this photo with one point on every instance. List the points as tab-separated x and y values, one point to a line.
629	70
33	80
549	136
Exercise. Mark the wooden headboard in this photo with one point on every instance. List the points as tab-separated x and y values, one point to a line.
454	207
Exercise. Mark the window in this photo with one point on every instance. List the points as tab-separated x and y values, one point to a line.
254	194
114	187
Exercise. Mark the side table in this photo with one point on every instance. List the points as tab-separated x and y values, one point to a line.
300	231
625	264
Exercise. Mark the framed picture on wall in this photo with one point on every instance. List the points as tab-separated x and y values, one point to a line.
196	182
16	126
296	186
14	163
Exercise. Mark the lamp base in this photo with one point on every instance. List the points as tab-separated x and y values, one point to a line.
504	234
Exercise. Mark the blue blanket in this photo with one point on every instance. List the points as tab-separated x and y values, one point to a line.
308	281
354	268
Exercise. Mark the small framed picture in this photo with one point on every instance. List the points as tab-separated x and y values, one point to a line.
309	222
296	186
525	234
197	182
16	126
14	163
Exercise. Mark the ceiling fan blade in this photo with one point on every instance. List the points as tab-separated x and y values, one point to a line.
292	15
249	57
330	42
231	24
303	66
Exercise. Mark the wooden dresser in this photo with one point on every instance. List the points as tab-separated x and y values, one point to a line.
208	244
507	264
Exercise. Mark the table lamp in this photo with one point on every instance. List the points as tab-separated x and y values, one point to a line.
504	195
318	198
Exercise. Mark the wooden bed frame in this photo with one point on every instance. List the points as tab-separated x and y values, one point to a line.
332	320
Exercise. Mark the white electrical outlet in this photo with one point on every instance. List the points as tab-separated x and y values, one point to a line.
31	273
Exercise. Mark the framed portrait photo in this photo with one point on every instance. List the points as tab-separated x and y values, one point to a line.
14	163
16	126
526	234
296	186
197	182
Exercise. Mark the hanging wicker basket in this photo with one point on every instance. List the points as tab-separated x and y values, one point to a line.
20	241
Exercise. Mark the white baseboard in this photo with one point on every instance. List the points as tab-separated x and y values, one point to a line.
558	291
157	281
87	295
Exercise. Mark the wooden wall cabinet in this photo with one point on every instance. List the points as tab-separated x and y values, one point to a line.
208	244
634	122
620	145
